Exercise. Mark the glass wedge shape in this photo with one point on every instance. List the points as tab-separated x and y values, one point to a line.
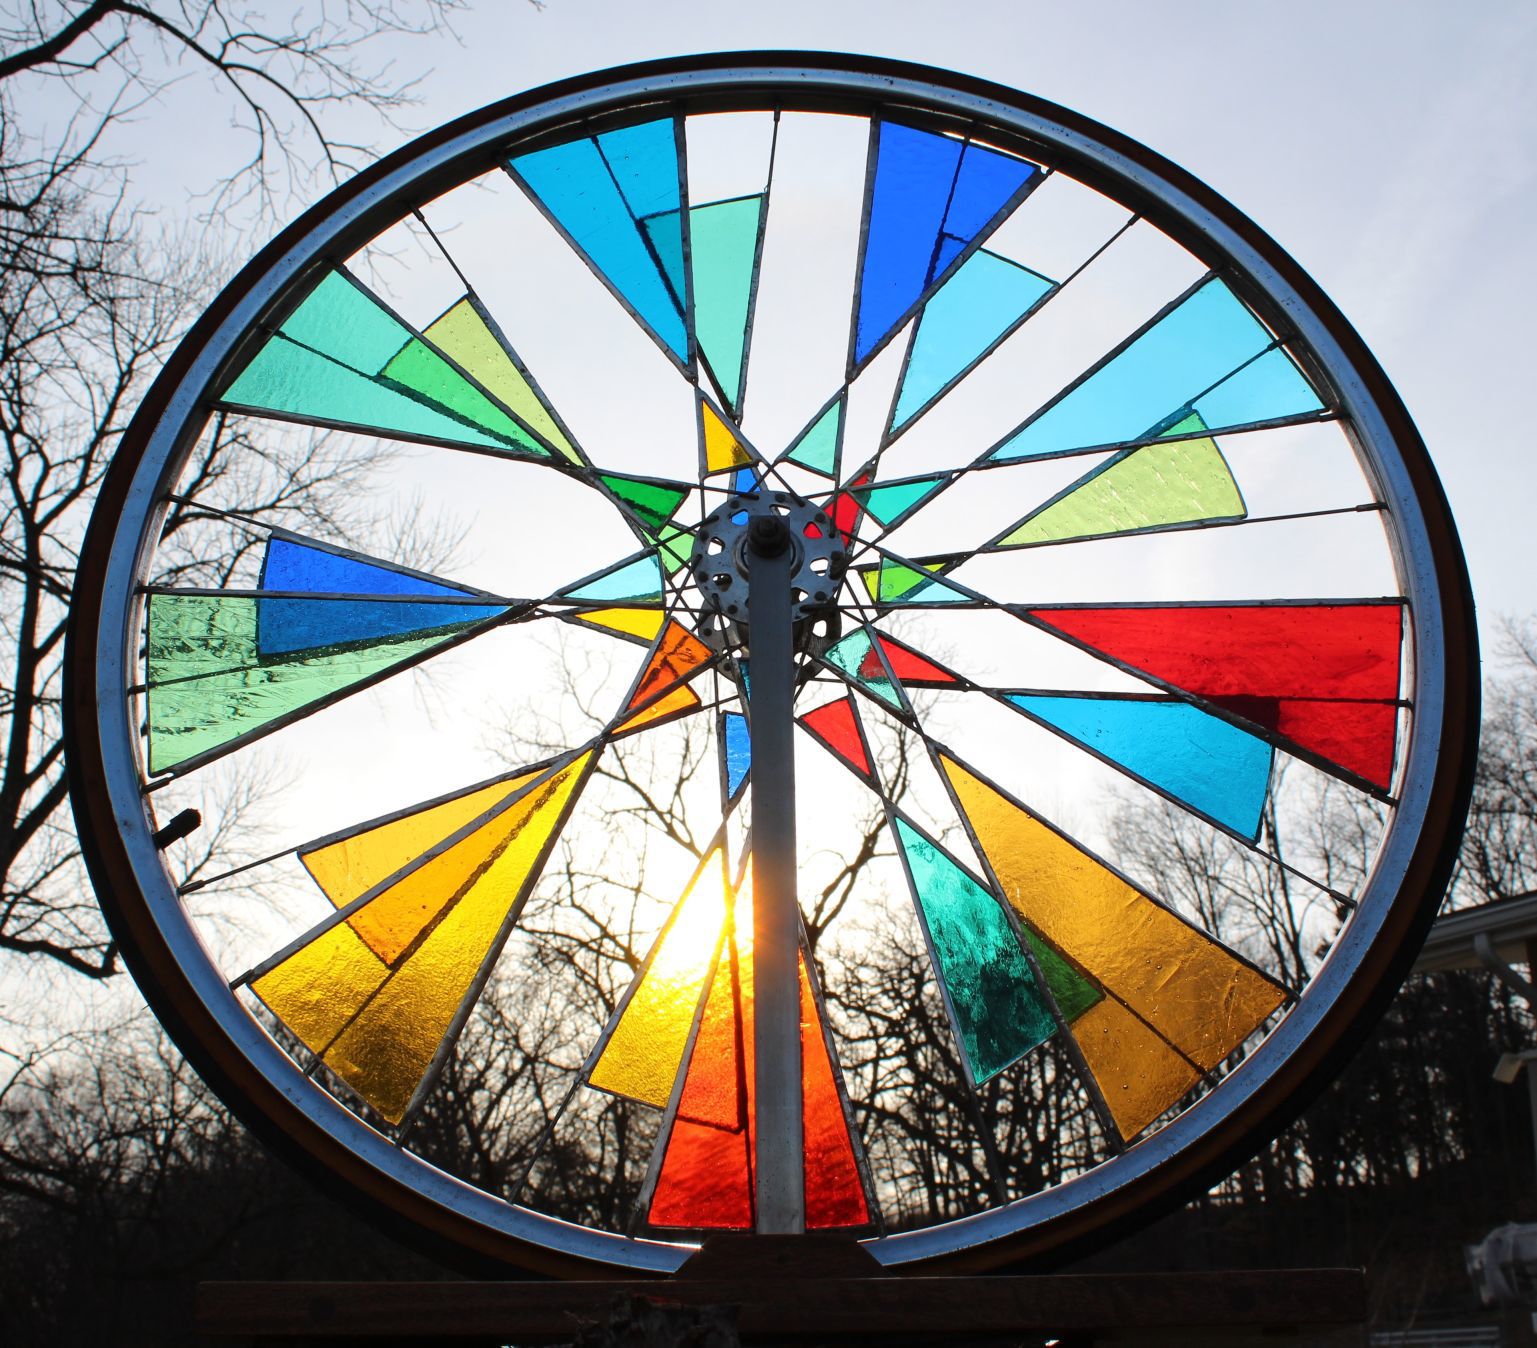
660	691
817	447
855	656
635	578
1323	675
723	251
1158	377
1158	486
890	502
837	726
893	582
342	358
720	448
641	623
736	751
598	190
1198	759
986	297
378	1024
653	502
998	1011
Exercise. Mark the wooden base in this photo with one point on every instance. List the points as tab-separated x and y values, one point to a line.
1294	1306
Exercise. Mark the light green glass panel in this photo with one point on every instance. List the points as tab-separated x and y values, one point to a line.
424	371
208	688
723	243
1155	487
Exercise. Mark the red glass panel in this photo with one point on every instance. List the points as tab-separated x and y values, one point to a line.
835	1195
846	511
837	726
1322	675
906	664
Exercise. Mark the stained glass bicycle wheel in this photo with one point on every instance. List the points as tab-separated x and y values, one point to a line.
1114	553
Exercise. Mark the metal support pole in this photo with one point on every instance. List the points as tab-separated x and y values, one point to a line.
779	1165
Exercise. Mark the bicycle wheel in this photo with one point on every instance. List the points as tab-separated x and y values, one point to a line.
1114	566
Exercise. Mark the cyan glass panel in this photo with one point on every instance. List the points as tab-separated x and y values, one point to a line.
1264	389
738	746
644	159
640	579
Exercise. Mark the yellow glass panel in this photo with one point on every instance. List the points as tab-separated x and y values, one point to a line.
462	335
1139	1075
1180	981
679	699
351	866
643	1053
722	450
379	1026
635	622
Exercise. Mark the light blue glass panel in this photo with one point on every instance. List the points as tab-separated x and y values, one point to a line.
999	1012
966	315
573	183
855	656
638	579
1152	380
738	750
644	159
1269	387
1196	758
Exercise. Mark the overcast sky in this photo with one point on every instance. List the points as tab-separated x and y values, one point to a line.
1389	145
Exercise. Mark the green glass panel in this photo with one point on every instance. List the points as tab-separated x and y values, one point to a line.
723	243
422	370
895	583
999	1012
209	688
889	502
651	501
677	547
855	656
817	447
295	381
1072	992
1155	487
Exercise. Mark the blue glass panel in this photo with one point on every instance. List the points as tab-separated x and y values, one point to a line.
1152	380
965	316
914	171
1197	758
645	163
949	249
986	181
287	625
997	1006
638	579
1269	387
738	749
745	481
667	238
573	183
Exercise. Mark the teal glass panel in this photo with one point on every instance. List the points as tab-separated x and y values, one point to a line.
574	184
1152	380
640	578
723	244
999	1012
644	159
855	655
209	688
1198	759
294	381
966	316
339	320
887	503
1269	387
667	239
817	446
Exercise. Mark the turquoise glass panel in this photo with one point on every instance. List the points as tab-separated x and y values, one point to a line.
1196	758
294	381
340	321
737	744
886	503
1000	1014
638	579
1153	380
574	184
1269	387
723	244
292	624
855	656
817	447
967	314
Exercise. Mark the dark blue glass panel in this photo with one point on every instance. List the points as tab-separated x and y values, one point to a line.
987	179
738	748
295	566
914	171
949	249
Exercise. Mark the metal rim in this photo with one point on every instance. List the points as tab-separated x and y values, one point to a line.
1342	1002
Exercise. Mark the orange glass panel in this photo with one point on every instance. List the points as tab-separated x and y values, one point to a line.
676	656
379	1025
1139	1075
1186	986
